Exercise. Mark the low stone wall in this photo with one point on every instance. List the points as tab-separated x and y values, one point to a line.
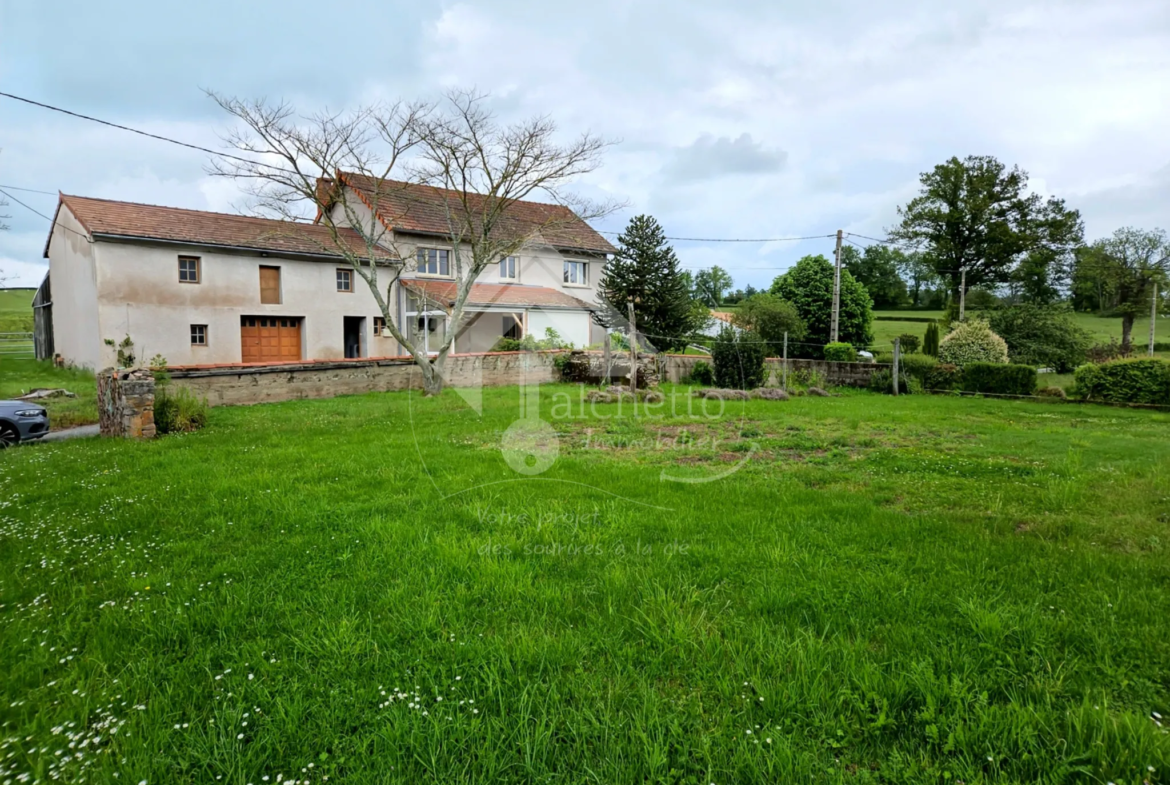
126	403
678	367
228	385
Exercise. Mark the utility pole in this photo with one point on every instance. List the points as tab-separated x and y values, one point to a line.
633	351
836	292
963	293
1153	316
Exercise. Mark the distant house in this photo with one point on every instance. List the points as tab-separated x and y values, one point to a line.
212	288
719	320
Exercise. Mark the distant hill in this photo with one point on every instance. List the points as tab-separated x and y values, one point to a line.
16	314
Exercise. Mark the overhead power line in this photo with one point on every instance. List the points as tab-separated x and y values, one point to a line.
131	130
42	215
30	190
740	239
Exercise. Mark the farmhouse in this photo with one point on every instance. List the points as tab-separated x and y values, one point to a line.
205	288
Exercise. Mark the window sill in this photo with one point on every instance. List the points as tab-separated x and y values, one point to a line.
576	286
435	276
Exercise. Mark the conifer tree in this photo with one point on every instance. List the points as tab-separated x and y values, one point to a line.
646	270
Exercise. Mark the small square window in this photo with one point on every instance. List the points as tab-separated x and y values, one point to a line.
199	335
379	326
188	269
344	280
508	268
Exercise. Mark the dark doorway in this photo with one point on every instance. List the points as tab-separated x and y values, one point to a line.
355	328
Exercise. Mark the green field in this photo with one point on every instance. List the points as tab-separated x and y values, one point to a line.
925	589
18	377
16	316
1102	329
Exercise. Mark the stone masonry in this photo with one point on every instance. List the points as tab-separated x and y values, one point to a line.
126	403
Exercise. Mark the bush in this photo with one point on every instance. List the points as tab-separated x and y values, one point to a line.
702	373
883	382
806	378
770	317
930	340
999	379
1125	381
1104	352
840	353
739	359
1052	392
551	340
178	410
909	343
1041	335
943	377
972	342
917	366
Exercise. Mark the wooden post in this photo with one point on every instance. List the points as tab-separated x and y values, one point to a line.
784	384
608	362
897	357
633	350
963	293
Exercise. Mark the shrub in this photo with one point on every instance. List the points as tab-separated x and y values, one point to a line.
1041	335
551	340
840	352
770	317
1110	350
908	342
999	379
930	340
806	378
702	373
1125	381
943	377
739	359
177	410
972	342
1052	392
917	366
883	382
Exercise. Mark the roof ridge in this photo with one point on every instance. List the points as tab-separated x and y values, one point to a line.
215	213
344	174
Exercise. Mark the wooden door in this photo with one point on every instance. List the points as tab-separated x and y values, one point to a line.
266	339
270	285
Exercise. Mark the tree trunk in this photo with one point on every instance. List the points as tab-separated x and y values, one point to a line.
432	373
1126	330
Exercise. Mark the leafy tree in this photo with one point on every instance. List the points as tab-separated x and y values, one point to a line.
645	270
930	340
919	274
1122	269
878	271
739	359
711	284
1041	335
978	214
770	317
809	287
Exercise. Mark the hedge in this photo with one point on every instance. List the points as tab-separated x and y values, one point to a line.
999	378
1125	381
924	319
840	352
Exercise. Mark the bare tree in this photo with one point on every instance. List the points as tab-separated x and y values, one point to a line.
355	169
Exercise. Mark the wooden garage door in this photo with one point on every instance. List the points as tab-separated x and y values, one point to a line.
265	339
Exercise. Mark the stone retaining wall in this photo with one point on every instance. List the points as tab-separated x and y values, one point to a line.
126	403
678	367
246	384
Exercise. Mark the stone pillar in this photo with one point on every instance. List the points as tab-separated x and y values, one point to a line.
126	403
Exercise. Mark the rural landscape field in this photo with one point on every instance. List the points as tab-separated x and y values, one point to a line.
913	589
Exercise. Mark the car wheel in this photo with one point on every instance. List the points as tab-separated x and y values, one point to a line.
8	436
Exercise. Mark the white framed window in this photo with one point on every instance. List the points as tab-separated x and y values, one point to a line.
509	269
344	280
434	261
199	335
576	273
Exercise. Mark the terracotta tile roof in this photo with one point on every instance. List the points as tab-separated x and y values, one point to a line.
408	207
443	293
197	227
723	316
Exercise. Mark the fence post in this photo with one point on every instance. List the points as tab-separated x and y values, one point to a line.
784	384
608	361
897	357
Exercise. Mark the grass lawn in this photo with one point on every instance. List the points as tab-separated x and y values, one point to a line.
920	589
18	377
16	316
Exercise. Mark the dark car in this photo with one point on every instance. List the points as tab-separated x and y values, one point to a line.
21	422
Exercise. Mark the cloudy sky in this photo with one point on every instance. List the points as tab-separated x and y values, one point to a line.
734	119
